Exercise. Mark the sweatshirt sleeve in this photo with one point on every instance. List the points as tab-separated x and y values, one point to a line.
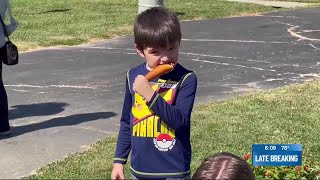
10	28
178	115
124	138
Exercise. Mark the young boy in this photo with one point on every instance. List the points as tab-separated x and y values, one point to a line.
155	121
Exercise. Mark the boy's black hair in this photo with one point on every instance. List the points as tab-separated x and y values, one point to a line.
156	27
224	166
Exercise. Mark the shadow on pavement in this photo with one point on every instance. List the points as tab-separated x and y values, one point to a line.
60	121
41	109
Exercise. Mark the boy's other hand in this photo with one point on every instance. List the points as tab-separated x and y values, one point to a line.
142	86
117	171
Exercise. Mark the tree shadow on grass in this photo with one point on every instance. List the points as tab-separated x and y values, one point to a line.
54	11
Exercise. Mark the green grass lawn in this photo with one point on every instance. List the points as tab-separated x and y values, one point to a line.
69	22
286	115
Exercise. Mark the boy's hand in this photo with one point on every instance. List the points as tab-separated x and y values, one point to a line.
142	86
117	171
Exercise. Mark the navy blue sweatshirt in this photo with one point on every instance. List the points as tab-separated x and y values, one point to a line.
158	132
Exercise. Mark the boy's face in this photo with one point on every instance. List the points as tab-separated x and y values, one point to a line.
156	56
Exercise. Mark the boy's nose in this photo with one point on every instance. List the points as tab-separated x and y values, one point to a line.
165	59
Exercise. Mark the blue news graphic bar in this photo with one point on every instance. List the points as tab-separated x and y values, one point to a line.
277	154
277	147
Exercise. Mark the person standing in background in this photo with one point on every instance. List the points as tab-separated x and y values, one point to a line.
10	28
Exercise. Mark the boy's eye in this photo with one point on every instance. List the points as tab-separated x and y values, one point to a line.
153	52
172	48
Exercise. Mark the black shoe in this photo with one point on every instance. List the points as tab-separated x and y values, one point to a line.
5	133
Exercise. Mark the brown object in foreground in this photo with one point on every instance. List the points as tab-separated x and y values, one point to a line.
159	71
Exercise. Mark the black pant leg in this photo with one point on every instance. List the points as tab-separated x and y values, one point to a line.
4	115
4	119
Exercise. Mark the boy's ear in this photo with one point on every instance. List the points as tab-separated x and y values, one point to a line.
139	51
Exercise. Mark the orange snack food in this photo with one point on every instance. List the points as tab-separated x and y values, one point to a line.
159	71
